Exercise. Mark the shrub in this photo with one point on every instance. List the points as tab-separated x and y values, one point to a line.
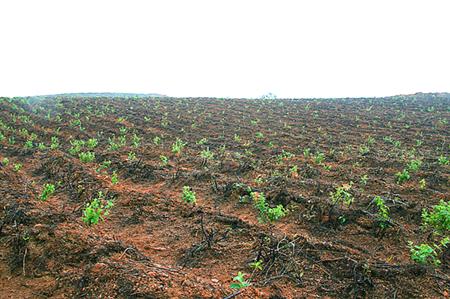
5	161
319	158
424	254
188	195
428	254
206	154
164	160
92	143
114	178
96	210
105	164
17	167
438	218
342	195
383	212
414	165
136	140
443	160
55	143
47	191
240	282
266	213
402	176
178	146
87	157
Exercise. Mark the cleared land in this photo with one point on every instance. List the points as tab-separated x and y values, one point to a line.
323	161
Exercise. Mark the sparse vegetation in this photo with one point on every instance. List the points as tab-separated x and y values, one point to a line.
316	195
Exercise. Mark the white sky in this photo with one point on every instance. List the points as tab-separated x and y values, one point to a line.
226	48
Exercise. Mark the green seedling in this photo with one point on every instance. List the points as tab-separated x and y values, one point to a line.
114	178
403	176
438	218
87	157
164	160
178	146
266	213
240	282
5	161
47	191
96	210
17	167
188	196
443	160
383	212
103	165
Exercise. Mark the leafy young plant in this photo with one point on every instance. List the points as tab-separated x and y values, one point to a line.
240	282
402	176
5	161
364	150
104	165
96	210
319	158
188	195
178	146
443	160
131	156
438	218
164	160
136	140
414	165
157	140
77	145
202	141
364	179
28	144
206	154
47	191
114	178
383	212
342	195
256	265
307	152
427	254
87	157
422	184
17	166
55	143
266	213
92	143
